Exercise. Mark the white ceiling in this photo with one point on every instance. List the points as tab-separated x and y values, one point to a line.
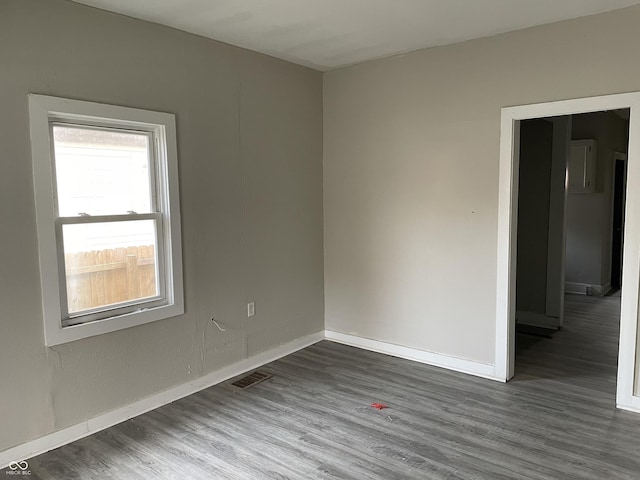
326	34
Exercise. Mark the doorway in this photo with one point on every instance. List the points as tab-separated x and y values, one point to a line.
573	344
511	119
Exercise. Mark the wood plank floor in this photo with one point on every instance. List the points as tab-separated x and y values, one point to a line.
313	419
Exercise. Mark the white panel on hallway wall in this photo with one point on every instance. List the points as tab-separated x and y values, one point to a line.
582	166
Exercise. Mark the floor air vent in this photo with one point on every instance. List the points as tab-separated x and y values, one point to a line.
251	379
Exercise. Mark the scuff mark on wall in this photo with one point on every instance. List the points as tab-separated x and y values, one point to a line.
202	348
56	363
56	355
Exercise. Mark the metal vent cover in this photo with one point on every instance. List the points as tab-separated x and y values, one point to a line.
251	379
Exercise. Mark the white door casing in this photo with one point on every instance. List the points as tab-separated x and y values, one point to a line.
626	397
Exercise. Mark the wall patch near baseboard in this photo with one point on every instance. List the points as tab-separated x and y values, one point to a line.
105	420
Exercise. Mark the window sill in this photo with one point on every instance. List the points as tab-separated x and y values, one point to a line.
98	327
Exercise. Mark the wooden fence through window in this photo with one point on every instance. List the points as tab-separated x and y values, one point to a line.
105	277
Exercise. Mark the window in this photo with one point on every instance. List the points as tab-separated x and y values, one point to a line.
106	192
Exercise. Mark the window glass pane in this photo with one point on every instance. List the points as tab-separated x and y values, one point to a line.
109	263
101	171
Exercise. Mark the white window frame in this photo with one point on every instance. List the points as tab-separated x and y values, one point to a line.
59	326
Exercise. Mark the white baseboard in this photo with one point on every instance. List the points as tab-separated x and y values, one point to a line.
587	288
537	320
629	408
106	420
430	358
604	289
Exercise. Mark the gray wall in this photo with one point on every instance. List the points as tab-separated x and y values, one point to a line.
534	190
411	155
544	151
590	216
250	161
